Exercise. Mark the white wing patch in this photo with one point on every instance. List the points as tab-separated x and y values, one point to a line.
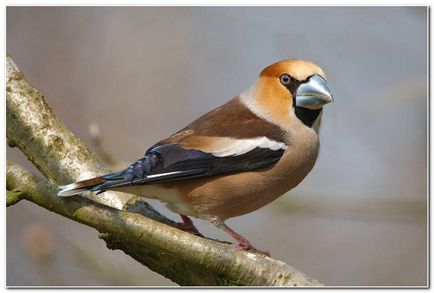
236	147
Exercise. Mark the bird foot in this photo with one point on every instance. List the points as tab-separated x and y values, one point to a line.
188	226
249	246
243	243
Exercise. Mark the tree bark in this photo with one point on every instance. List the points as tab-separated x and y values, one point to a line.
125	221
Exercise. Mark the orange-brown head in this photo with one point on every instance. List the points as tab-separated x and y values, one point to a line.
298	69
289	87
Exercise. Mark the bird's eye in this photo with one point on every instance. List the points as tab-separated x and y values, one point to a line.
285	79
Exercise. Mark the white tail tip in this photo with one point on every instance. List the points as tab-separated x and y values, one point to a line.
69	190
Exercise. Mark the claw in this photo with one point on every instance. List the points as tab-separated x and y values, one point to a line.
188	226
249	246
243	243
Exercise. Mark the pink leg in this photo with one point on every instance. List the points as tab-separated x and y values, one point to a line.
187	225
243	243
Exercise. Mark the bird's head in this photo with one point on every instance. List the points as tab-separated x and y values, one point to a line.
291	86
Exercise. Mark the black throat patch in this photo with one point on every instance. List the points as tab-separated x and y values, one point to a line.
307	116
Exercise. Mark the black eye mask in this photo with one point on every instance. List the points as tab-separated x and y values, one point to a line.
306	116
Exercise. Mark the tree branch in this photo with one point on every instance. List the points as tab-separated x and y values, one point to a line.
126	221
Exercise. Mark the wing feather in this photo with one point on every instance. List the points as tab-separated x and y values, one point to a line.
229	139
172	162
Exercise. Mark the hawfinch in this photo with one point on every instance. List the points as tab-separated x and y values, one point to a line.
236	158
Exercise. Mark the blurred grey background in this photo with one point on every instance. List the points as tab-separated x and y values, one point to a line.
142	73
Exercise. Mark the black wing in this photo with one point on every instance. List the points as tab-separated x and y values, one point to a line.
171	162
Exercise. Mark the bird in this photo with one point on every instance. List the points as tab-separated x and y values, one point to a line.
236	158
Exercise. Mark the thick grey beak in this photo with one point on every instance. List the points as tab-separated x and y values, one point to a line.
313	94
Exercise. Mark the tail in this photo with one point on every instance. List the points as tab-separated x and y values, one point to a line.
146	170
94	184
135	173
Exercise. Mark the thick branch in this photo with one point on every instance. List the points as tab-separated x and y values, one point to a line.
191	259
45	140
62	158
